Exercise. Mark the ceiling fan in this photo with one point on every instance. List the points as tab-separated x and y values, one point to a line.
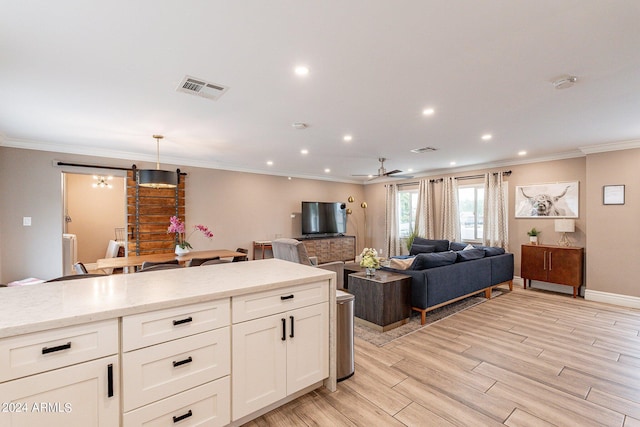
382	172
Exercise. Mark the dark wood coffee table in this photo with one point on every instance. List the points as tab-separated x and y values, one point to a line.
383	301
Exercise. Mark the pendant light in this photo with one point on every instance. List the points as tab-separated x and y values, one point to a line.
157	178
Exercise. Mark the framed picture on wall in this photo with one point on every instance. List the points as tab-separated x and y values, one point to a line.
560	199
613	195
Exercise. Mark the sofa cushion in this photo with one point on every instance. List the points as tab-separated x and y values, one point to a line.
441	245
421	249
469	254
493	251
432	260
457	246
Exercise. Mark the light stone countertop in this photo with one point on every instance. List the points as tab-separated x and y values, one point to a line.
25	309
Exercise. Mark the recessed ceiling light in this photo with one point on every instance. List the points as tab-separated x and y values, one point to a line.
299	125
487	137
347	138
304	151
289	178
327	170
270	163
522	153
301	70
428	111
369	176
410	170
452	163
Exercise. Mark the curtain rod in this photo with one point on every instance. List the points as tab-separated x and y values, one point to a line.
80	165
507	173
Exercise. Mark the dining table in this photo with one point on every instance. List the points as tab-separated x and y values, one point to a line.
136	260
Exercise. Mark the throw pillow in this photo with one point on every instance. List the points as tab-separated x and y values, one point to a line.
469	254
469	246
432	260
421	249
441	245
456	246
401	264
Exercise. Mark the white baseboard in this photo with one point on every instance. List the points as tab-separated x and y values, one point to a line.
609	298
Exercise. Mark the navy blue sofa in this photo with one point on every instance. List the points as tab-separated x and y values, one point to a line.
440	277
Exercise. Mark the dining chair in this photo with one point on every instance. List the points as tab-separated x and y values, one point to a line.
241	258
74	277
80	268
148	264
195	262
157	267
211	262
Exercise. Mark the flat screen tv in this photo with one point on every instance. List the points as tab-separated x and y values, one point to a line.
324	218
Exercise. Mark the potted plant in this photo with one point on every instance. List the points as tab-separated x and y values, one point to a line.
533	236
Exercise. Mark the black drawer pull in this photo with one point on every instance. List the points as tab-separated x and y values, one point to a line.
110	380
182	417
284	329
182	362
181	321
287	297
46	350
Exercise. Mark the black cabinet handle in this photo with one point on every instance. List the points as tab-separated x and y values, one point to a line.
284	329
181	321
182	362
46	350
182	417
291	319
110	380
286	297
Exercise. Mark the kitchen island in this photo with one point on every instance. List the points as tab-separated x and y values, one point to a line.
222	344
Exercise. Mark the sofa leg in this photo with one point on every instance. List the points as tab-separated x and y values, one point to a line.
423	315
487	293
510	285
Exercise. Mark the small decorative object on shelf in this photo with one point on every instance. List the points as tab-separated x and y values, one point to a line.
533	236
176	225
369	260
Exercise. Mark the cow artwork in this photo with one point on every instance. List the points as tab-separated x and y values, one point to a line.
547	200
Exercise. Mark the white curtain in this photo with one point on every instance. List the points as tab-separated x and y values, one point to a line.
450	216
424	211
392	236
495	230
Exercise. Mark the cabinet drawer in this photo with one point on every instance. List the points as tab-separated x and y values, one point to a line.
159	371
208	404
145	329
261	304
42	351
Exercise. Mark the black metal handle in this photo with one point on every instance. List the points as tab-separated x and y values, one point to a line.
182	362
46	350
284	329
286	297
181	321
110	380
182	417
291	319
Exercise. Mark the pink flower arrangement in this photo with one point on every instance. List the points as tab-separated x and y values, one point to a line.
177	226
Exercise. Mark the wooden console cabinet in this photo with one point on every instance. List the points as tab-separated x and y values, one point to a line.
329	249
555	264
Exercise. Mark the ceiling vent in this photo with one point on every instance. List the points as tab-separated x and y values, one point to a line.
423	150
200	87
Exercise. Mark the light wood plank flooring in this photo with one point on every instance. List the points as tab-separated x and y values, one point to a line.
527	358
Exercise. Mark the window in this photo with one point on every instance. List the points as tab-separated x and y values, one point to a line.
471	207
407	204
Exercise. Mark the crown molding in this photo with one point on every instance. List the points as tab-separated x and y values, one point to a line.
611	146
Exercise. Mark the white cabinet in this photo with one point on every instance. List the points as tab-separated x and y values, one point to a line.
281	353
176	365
52	379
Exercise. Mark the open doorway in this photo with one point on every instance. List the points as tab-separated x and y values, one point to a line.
94	213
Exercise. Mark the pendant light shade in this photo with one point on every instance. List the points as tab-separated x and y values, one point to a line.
157	178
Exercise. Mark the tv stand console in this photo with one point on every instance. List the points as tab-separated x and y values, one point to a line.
330	248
